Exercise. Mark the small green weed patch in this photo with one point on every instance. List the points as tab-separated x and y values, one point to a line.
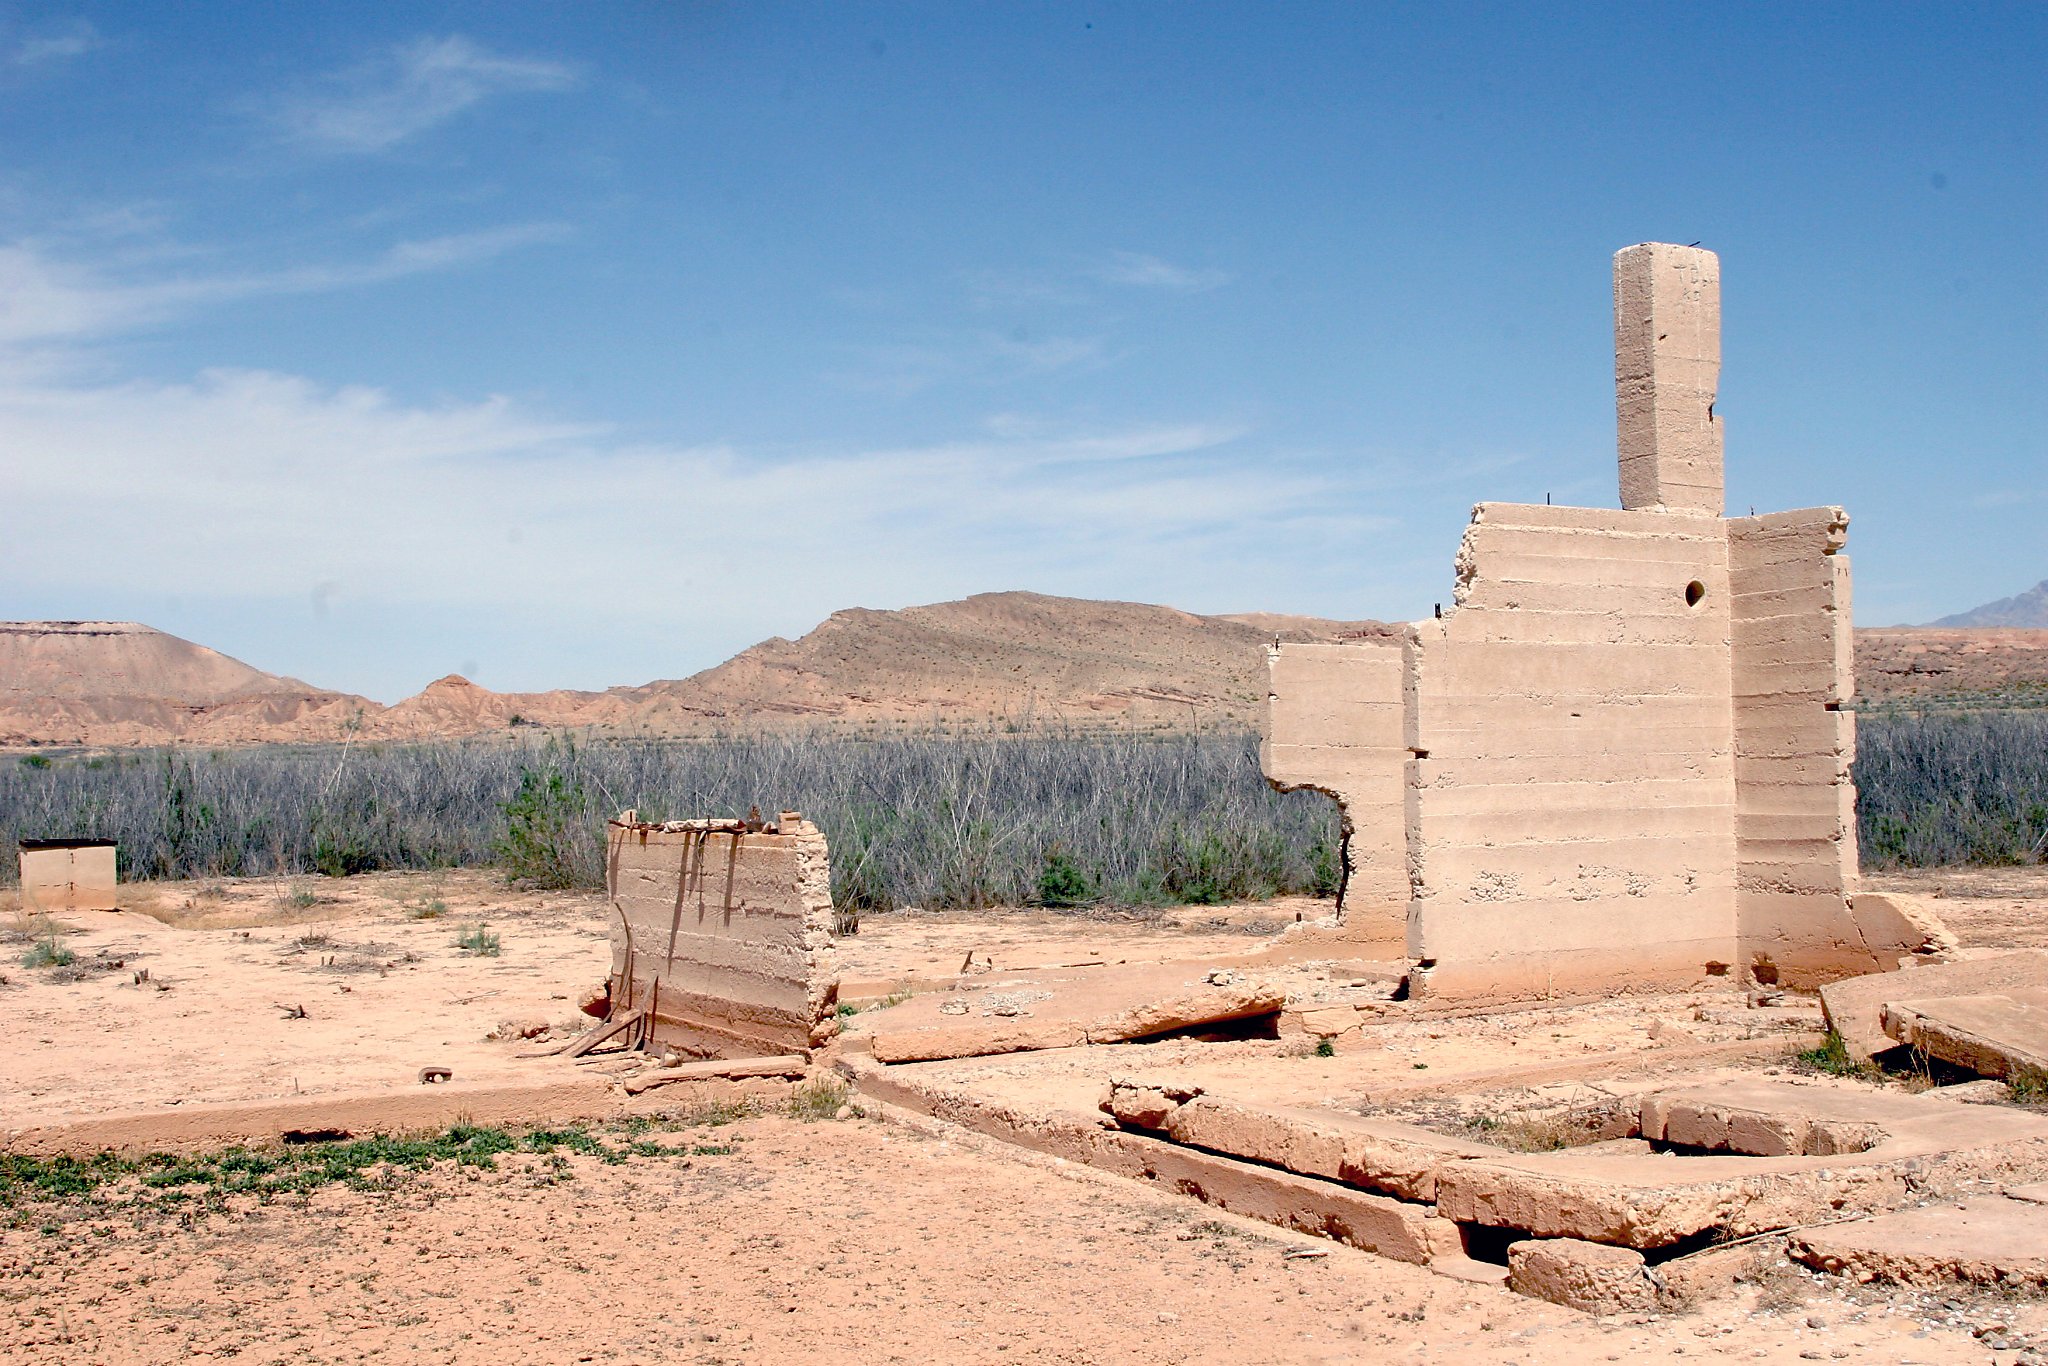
479	940
1832	1057
164	1181
48	953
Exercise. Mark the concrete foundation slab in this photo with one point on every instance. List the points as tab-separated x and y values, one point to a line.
1854	1007
1988	1241
2002	1036
1922	1147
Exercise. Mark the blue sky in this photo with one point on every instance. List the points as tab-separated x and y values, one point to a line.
583	345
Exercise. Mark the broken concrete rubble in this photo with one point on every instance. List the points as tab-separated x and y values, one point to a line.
1989	1240
1917	1147
1854	1007
723	943
1620	758
1592	1277
2003	1036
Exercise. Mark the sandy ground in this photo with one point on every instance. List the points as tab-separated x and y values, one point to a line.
383	992
857	1241
861	1239
2004	908
386	992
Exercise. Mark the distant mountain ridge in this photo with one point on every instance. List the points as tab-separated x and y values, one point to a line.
1018	658
993	657
2028	609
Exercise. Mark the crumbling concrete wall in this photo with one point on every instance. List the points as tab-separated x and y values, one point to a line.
1338	727
68	875
1571	812
1795	822
1622	758
724	934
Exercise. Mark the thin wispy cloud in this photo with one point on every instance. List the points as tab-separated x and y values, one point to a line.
241	477
44	298
238	477
1138	270
1083	282
972	356
59	44
407	91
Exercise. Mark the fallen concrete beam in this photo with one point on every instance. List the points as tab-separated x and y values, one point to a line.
2002	1036
733	1069
1375	1223
1392	1158
1006	1013
1854	1006
1393	1228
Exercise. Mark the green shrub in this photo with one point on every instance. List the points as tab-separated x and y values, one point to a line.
48	953
341	855
1061	882
544	823
1832	1057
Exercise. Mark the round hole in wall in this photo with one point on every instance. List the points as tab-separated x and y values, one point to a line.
1695	593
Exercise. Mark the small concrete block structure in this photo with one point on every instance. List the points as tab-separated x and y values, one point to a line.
68	875
1619	759
724	935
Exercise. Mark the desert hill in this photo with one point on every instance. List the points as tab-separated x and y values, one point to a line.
998	657
122	683
1015	656
2028	609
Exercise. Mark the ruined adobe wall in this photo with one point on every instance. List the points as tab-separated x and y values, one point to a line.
1796	806
1571	796
1337	727
726	935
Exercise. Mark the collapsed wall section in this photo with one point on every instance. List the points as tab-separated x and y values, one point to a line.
1796	857
1570	800
1337	728
724	934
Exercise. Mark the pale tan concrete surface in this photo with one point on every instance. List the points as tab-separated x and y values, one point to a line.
1855	1006
67	876
2003	1035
